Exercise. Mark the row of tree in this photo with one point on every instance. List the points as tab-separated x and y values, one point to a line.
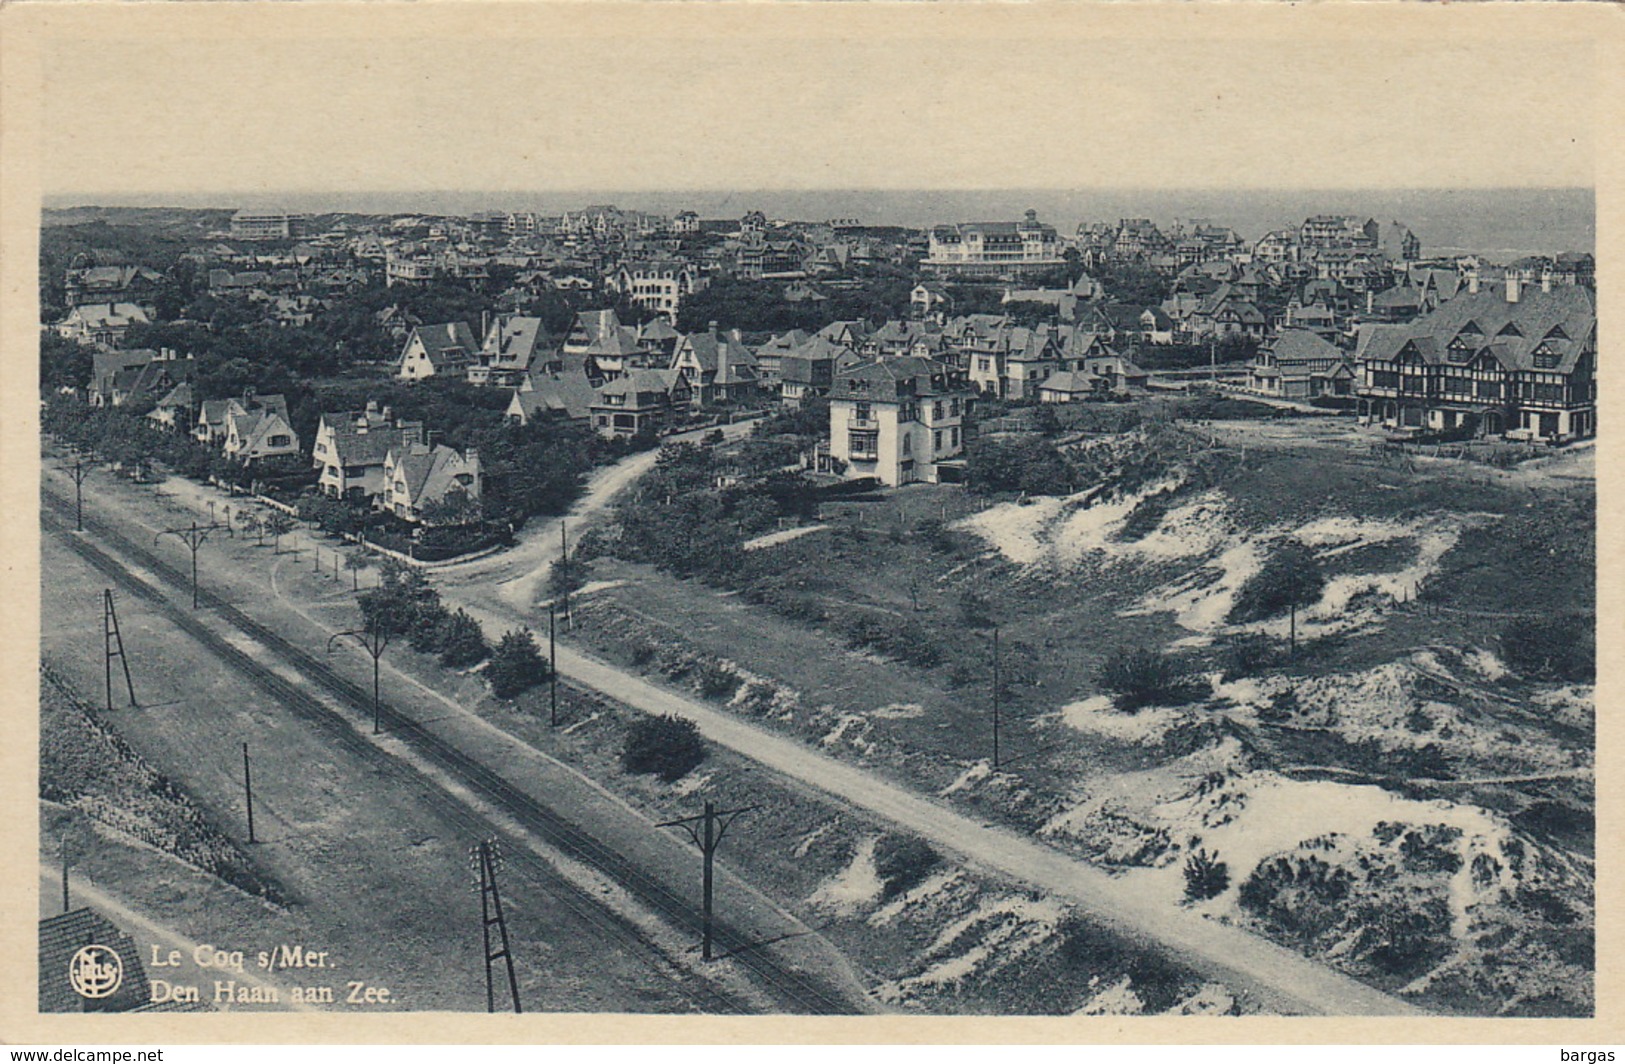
405	605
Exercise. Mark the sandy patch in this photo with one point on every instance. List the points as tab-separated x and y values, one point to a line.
1097	715
773	539
855	887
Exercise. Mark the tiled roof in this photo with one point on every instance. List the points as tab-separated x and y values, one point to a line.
642	381
893	378
568	393
451	338
1069	382
63	935
513	341
1561	323
721	356
1302	345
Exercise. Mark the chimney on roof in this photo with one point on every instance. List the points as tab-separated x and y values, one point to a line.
1514	280
712	328
1546	279
485	323
1472	282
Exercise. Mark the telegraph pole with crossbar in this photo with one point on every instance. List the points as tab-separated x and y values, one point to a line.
193	537
707	830
486	857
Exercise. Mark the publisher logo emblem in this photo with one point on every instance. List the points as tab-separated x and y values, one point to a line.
95	972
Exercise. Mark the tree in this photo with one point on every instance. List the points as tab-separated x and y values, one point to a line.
278	524
429	626
902	862
567	575
1029	464
455	507
462	642
402	597
516	665
665	746
1140	678
63	363
355	561
252	524
1291	577
336	517
1560	648
1205	876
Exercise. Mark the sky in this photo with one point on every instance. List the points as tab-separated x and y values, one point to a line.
647	96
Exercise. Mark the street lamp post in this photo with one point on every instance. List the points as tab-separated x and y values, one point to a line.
374	642
79	475
193	537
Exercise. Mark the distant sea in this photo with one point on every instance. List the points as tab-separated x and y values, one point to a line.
1500	223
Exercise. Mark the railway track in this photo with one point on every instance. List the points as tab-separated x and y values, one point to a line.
799	990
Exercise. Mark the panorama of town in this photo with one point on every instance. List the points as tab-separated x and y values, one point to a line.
621	612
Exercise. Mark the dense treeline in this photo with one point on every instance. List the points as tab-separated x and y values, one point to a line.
761	307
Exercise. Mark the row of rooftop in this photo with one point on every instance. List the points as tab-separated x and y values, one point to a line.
1509	358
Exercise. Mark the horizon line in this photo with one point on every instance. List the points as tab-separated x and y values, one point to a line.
832	188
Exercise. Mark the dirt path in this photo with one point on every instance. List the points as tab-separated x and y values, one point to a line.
1285	980
520	571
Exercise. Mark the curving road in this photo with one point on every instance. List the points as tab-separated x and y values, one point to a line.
1285	981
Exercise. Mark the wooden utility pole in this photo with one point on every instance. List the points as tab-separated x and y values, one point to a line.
79	475
487	858
552	667
248	794
113	647
374	642
996	697
62	855
193	537
707	830
564	563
